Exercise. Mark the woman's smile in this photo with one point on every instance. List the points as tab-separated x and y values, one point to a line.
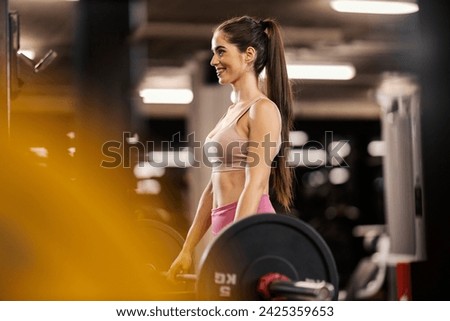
220	70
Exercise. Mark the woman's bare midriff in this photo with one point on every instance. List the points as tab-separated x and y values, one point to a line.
227	187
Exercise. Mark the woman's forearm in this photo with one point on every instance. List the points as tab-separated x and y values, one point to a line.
249	201
202	220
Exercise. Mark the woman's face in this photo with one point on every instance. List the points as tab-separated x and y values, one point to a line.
227	59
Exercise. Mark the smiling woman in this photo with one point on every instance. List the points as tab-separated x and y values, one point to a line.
249	162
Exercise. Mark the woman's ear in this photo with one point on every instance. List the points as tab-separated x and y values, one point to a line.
250	55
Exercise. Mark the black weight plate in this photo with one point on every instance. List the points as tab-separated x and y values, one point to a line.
163	242
260	244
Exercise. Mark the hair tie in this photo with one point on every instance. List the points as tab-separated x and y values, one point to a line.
263	24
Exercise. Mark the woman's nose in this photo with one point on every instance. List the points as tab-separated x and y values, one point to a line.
214	61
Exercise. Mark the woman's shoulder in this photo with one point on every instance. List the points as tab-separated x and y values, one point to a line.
264	107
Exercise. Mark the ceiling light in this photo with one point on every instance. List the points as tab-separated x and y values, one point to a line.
376	148
315	178
182	158
339	150
374	7
166	85
148	186
309	158
41	152
144	170
298	138
30	54
339	175
166	96
321	71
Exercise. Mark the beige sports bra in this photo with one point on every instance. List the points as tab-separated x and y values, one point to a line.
225	149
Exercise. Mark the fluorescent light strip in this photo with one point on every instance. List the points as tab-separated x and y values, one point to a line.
374	7
166	96
325	72
182	158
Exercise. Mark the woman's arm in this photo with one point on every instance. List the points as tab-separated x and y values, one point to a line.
264	133
200	225
202	219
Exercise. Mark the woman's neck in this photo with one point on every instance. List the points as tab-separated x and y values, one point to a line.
246	89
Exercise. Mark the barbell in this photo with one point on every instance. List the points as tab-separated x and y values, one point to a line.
266	257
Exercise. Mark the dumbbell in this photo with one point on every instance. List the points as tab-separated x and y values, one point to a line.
266	257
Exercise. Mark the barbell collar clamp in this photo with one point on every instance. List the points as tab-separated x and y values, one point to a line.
302	290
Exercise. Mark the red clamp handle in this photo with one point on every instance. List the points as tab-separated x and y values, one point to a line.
264	283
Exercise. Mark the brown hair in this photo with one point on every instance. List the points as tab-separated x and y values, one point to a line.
265	37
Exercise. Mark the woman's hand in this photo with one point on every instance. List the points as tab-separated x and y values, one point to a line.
180	265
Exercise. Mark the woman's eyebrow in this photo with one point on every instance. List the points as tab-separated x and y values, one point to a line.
217	48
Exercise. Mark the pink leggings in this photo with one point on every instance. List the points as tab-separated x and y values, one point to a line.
224	215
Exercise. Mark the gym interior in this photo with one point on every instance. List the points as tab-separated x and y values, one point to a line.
100	173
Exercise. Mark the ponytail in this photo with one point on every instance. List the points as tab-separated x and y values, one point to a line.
278	89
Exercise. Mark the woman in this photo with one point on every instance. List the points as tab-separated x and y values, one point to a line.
249	139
